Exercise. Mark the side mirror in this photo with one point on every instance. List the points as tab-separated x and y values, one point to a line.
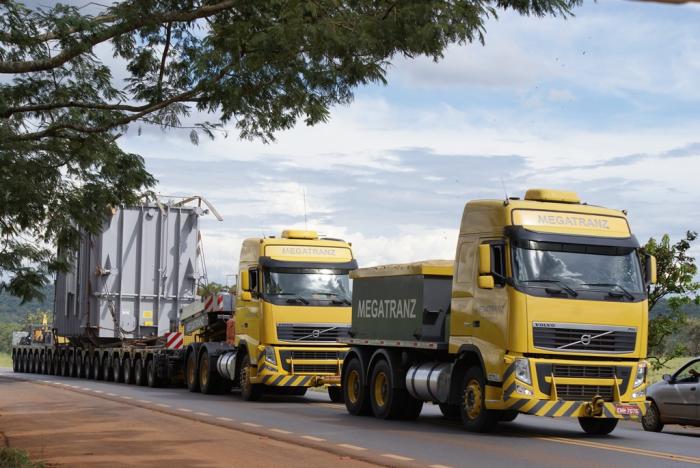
245	280
246	296
667	378
650	268
486	282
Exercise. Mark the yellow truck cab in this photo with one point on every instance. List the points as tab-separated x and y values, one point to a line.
293	306
546	315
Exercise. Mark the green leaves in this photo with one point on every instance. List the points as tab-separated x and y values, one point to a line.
264	65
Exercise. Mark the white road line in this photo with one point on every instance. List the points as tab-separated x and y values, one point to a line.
98	391
202	414
144	401
163	405
315	439
251	424
439	466
351	447
83	388
328	405
184	410
225	419
111	394
396	457
279	431
126	397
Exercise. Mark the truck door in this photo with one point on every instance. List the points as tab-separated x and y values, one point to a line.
248	313
490	306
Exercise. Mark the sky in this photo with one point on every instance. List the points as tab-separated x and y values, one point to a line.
606	103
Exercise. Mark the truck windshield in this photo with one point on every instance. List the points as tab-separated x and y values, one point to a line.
578	267
307	287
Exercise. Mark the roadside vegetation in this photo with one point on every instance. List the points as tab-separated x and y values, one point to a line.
15	458
5	361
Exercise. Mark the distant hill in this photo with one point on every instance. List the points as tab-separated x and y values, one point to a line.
661	307
12	311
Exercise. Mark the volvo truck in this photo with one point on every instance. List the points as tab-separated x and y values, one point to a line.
543	311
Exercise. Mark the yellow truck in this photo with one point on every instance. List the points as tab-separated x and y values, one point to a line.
543	311
280	332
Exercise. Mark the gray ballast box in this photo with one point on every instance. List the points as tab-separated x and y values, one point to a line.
131	280
407	302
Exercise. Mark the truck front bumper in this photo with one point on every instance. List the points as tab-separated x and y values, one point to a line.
301	367
567	388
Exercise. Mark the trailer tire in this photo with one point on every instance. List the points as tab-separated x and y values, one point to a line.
40	363
598	426
191	372
450	411
128	371
386	400
52	363
139	373
32	363
96	370
87	366
116	369
151	374
336	394
209	380
355	389
475	416
72	368
15	363
59	365
106	368
249	391
65	365
79	367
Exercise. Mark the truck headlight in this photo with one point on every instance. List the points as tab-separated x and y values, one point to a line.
270	355
522	370
641	375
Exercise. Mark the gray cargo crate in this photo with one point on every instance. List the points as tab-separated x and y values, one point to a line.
402	303
132	279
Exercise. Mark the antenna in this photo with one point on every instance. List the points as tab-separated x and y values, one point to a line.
505	192
305	211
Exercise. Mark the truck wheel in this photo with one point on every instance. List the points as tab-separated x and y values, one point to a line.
106	369
32	363
411	407
355	389
151	374
71	365
65	365
336	394
40	364
128	371
209	380
87	366
116	369
139	374
387	401
191	374
79	367
96	370
15	363
652	420
597	426
475	416
51	363
508	415
249	391
450	411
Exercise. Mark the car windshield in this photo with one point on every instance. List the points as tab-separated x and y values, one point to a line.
304	286
581	267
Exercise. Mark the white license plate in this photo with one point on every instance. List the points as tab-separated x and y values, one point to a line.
629	410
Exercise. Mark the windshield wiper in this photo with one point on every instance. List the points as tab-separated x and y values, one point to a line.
342	299
296	298
625	292
562	284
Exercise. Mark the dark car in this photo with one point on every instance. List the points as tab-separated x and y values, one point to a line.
676	399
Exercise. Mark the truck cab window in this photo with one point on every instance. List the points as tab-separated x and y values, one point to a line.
253	273
499	264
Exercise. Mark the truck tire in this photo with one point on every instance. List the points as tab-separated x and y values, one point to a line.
151	374
355	389
139	373
191	373
87	366
475	416
96	370
411	408
32	363
652	420
40	364
597	426
15	363
65	365
72	365
450	411
79	367
508	415
210	382
52	364
249	391
386	400
336	394
128	371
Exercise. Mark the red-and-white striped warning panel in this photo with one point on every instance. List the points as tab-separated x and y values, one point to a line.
174	340
214	303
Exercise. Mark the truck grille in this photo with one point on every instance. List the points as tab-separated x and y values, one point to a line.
582	338
587	372
317	355
316	332
584	392
316	369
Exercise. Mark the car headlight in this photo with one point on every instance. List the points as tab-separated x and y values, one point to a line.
641	375
522	370
270	355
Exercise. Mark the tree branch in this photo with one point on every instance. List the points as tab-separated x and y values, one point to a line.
161	72
112	32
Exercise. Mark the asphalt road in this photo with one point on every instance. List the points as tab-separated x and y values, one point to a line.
429	441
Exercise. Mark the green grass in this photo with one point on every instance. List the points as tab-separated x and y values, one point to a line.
5	361
671	366
14	458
